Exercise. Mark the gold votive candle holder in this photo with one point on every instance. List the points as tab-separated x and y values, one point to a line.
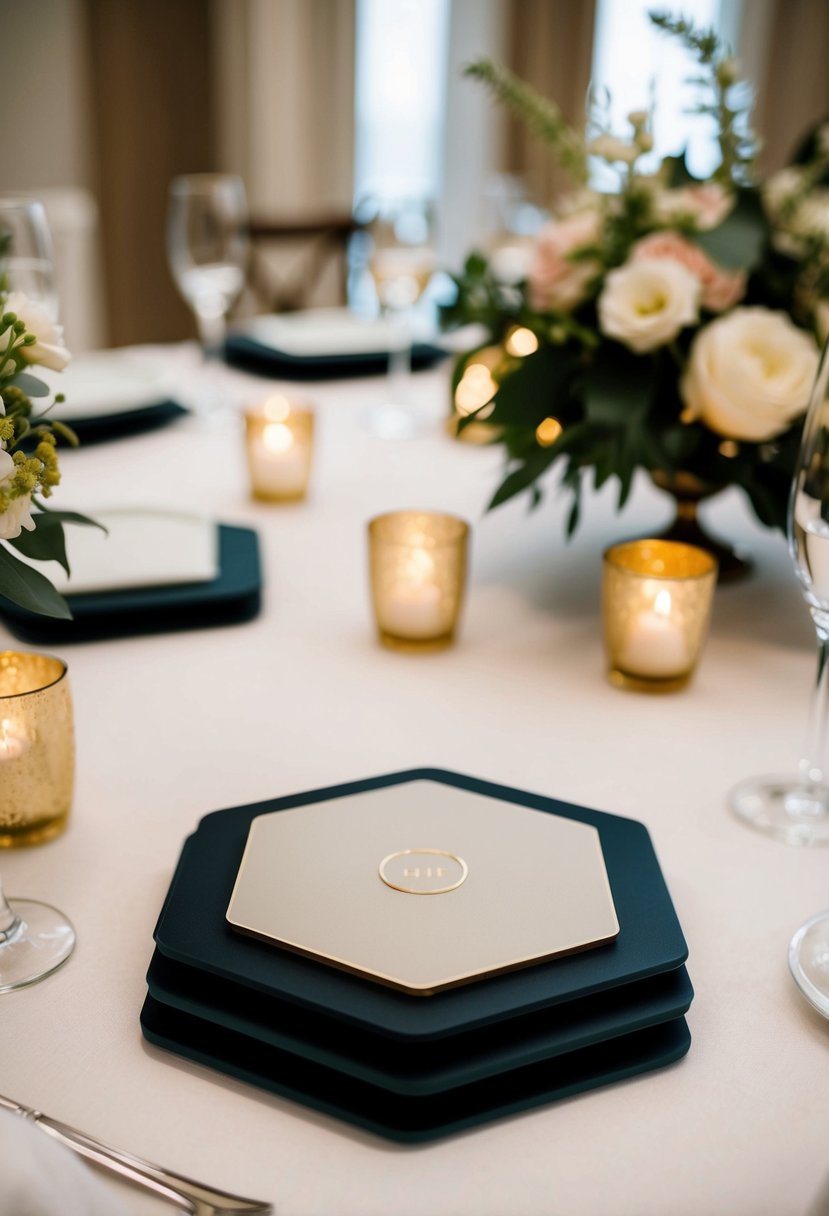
417	566
279	443
656	604
37	748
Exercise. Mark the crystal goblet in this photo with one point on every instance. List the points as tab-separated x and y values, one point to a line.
401	263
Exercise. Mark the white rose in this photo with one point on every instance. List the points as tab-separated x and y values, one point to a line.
17	514
749	374
49	349
645	304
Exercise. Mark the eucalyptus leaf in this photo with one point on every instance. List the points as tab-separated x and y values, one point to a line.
27	588
46	544
30	385
618	387
737	243
69	517
522	478
535	389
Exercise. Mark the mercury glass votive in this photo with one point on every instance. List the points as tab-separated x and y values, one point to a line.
417	564
37	748
279	441
656	601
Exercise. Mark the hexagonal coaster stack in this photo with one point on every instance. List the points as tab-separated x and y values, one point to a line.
419	952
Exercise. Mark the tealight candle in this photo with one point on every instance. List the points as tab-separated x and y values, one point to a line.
657	597
279	441
655	644
37	748
418	571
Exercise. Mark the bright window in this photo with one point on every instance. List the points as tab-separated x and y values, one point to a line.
635	62
400	96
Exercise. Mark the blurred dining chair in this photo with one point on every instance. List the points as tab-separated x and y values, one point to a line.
301	262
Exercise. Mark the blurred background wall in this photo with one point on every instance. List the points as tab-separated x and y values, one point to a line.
112	98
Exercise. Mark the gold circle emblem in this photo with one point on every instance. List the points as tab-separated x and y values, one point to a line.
423	871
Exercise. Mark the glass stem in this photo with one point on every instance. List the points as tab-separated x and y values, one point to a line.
400	360
9	922
211	328
813	763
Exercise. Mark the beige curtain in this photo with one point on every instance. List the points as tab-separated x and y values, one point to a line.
286	101
549	43
152	118
791	72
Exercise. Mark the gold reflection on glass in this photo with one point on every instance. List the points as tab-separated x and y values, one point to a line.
547	432
279	439
37	748
729	449
521	341
656	601
417	566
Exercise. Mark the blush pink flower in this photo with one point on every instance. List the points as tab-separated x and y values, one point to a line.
705	205
555	281
721	289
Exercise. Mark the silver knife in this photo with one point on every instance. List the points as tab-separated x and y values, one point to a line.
191	1196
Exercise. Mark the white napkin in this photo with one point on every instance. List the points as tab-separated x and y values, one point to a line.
39	1177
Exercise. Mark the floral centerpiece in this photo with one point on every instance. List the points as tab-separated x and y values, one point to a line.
673	323
29	469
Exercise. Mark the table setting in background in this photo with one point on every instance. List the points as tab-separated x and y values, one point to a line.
379	852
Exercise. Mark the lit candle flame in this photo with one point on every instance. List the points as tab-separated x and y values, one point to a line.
662	603
277	437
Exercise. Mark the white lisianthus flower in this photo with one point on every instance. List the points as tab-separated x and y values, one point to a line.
645	304
18	514
49	349
749	374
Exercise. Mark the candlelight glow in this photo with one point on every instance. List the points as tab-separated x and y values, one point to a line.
475	389
277	437
662	603
547	432
521	341
276	408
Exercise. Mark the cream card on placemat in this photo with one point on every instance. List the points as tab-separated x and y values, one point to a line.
142	547
321	332
102	383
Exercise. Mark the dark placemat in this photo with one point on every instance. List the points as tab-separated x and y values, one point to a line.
192	928
412	1119
121	424
248	353
420	1068
231	598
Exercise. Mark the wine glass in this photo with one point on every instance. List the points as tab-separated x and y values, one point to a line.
794	808
207	248
35	939
26	261
401	260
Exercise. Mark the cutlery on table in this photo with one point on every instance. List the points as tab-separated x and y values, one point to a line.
193	1197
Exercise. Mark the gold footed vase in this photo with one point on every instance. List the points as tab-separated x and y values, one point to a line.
688	492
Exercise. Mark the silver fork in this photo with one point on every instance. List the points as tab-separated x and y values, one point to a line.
191	1196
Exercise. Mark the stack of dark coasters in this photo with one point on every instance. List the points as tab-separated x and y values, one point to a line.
316	946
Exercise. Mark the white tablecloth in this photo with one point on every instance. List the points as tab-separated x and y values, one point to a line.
171	727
